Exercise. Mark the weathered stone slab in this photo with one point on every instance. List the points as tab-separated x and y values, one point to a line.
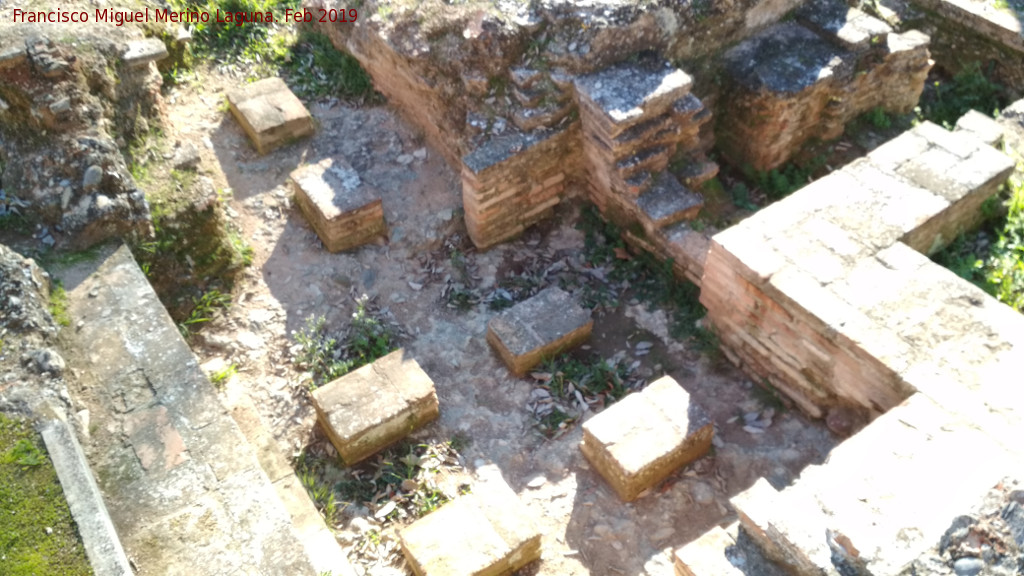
486	533
344	211
370	408
270	113
644	437
784	59
538	328
183	487
626	93
142	52
852	28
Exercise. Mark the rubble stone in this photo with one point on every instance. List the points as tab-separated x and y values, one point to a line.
270	114
646	436
538	328
344	211
142	52
486	533
372	407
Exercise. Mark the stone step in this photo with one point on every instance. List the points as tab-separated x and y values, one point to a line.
668	202
621	96
185	490
638	183
649	160
696	172
547	115
688	248
883	497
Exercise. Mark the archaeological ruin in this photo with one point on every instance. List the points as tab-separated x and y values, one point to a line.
445	288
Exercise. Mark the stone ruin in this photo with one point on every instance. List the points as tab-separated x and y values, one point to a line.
828	295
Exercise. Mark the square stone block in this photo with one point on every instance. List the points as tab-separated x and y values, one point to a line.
370	408
270	113
538	328
486	533
344	211
639	441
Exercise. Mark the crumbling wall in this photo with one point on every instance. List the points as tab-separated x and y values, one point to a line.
89	103
493	88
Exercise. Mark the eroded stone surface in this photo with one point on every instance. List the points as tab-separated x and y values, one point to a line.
344	211
486	533
374	406
644	437
270	113
184	491
538	328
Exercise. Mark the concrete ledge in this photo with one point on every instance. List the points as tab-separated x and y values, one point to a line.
99	538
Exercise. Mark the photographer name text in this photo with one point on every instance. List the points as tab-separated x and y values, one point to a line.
122	17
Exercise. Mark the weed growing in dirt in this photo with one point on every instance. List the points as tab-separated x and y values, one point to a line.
569	385
459	293
315	68
37	533
307	61
395	487
778	183
945	102
11	208
220	377
59	305
879	118
994	258
653	281
328	357
203	310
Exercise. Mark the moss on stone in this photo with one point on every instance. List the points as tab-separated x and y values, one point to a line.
37	533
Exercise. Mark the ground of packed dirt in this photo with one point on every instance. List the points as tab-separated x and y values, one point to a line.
586	528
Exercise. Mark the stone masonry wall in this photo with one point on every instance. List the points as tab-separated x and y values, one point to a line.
514	181
485	84
801	80
964	32
821	296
